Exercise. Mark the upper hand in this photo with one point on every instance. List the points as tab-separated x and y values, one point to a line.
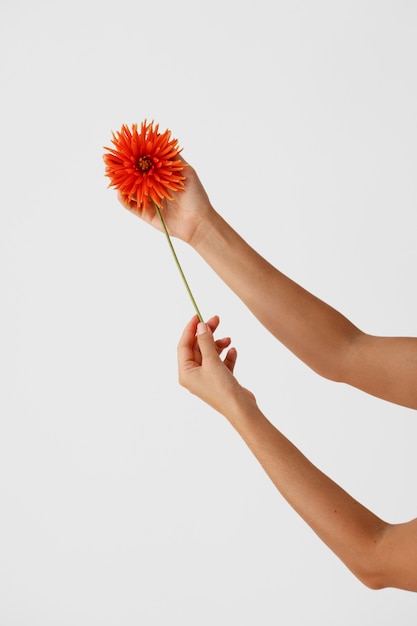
185	214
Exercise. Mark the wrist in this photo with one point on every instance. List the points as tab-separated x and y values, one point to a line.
209	227
241	408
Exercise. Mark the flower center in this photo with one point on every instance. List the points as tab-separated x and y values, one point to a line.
144	163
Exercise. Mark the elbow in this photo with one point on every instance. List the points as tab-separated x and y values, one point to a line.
372	576
374	580
371	566
384	578
340	365
378	566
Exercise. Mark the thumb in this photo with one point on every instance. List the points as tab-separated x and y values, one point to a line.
206	341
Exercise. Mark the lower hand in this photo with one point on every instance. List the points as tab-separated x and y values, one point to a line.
202	371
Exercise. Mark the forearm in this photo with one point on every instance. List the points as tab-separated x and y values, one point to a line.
350	530
378	553
315	332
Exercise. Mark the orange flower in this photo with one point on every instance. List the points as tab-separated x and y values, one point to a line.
144	165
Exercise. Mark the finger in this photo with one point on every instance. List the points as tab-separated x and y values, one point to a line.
185	349
181	158
221	344
213	323
230	360
130	205
206	342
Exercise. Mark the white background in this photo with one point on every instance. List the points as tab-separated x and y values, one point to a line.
124	500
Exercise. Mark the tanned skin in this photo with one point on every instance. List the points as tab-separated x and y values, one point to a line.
378	553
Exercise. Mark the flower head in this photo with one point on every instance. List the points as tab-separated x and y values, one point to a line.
144	165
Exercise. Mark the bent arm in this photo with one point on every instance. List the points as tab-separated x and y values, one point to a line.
379	554
315	332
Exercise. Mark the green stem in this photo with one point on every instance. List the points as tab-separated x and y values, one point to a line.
158	210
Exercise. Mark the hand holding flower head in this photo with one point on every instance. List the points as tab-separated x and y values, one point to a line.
146	168
185	214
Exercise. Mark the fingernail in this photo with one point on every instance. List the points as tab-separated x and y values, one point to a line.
201	328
